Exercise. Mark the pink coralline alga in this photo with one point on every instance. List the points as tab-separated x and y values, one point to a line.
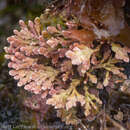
61	63
26	47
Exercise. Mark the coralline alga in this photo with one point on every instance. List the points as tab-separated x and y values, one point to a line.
56	62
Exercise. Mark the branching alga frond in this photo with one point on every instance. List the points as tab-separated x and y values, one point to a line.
67	98
58	61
